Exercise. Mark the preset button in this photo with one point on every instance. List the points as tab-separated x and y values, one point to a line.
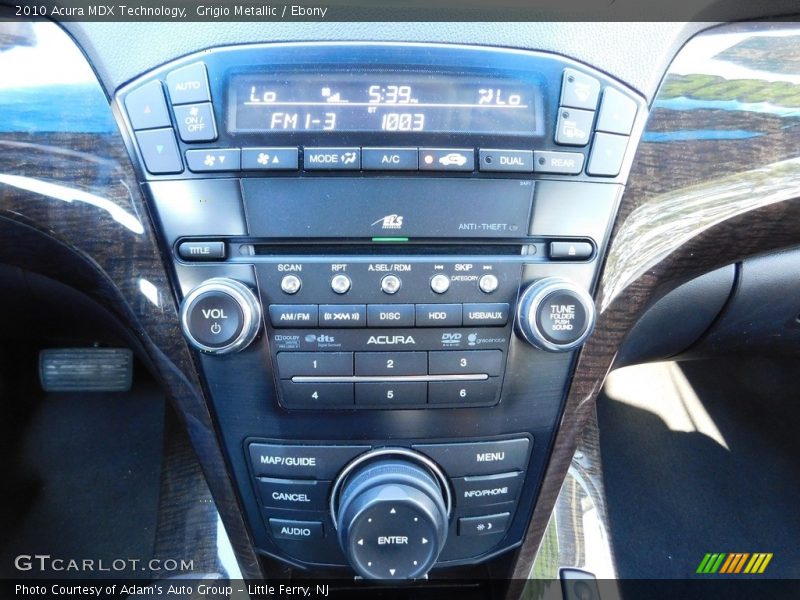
291	364
391	363
459	362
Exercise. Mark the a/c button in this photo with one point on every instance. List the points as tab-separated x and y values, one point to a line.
389	159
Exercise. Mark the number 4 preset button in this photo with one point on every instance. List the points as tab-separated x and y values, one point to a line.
317	395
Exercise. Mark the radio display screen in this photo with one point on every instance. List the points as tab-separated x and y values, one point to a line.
449	103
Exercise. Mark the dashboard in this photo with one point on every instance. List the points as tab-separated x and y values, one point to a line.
383	270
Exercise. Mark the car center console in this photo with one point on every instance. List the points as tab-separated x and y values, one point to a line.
385	255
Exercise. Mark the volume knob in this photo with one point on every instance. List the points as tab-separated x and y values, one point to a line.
555	314
220	316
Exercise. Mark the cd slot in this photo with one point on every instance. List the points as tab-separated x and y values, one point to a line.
380	250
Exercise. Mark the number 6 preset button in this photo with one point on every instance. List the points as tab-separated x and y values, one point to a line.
291	364
391	363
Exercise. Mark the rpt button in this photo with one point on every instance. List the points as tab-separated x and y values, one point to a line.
479	458
309	462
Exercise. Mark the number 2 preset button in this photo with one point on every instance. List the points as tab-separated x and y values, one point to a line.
391	363
291	364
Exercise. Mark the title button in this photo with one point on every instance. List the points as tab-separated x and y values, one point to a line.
333	159
389	159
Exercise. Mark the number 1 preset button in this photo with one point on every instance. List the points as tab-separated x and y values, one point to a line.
291	364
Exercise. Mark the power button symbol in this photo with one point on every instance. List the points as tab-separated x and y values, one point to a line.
215	319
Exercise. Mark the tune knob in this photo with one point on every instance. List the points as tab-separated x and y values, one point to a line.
391	508
555	314
220	316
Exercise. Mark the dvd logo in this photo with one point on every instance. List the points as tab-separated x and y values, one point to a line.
391	339
451	339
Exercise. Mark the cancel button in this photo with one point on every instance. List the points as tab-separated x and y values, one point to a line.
293	493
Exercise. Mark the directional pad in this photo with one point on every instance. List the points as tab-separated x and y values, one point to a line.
393	540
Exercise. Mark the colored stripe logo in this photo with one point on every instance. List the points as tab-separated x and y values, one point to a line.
734	562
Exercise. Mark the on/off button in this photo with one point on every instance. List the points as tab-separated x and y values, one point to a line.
215	319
